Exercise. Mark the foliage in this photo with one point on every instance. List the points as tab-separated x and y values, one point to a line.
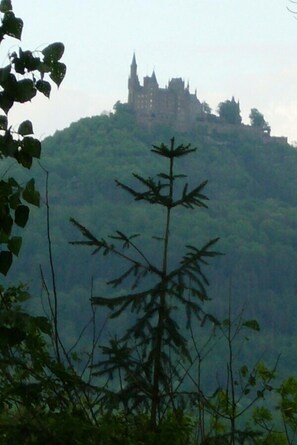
244	386
288	407
229	111
122	429
20	80
41	400
257	120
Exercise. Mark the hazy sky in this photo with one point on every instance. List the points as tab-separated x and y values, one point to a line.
223	47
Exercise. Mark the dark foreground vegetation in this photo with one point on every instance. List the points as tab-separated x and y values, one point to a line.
170	349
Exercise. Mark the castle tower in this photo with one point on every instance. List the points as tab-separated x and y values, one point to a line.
133	82
173	106
154	79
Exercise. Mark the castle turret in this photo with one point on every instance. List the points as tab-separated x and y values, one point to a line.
133	83
133	70
154	79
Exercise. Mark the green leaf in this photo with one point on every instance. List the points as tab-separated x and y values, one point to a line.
30	194
8	145
43	68
5	6
4	73
6	102
6	223
11	25
14	244
19	65
5	190
43	324
11	336
3	122
23	295
3	237
13	183
27	60
58	71
252	324
5	261
244	370
21	215
24	159
53	53
25	128
9	85
32	147
252	380
44	87
14	200
25	90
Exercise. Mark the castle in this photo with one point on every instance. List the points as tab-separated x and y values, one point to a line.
173	105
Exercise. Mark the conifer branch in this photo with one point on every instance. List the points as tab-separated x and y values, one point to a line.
193	198
111	249
152	195
190	263
172	152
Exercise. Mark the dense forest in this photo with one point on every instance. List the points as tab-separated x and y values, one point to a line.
250	206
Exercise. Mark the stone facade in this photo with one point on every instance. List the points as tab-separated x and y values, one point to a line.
173	105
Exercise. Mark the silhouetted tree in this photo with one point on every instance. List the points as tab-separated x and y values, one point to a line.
257	120
147	355
229	111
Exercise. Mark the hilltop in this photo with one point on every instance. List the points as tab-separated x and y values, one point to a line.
252	208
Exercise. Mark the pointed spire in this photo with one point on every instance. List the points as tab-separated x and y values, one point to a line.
133	64
153	77
133	68
133	82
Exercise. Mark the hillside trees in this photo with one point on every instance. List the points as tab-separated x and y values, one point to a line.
229	111
258	121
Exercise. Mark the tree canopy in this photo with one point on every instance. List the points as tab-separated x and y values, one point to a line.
257	120
229	111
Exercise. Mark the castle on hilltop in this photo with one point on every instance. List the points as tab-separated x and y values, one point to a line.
173	105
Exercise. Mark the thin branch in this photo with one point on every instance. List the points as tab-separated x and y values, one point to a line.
52	269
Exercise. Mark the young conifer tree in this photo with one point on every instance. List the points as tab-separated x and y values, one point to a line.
146	357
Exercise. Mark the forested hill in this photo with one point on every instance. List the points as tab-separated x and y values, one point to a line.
252	190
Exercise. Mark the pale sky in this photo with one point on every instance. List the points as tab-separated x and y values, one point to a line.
224	48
